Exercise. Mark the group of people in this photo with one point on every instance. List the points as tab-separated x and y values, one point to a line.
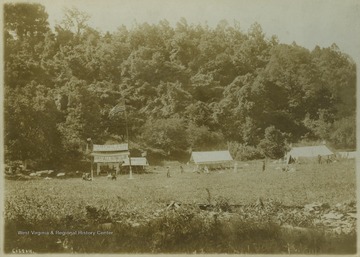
112	176
328	159
204	170
86	177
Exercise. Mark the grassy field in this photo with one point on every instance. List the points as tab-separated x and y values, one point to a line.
327	183
74	204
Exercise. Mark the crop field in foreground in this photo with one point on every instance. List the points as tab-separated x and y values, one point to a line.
136	212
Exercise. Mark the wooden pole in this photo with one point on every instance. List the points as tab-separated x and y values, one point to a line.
89	147
92	169
127	136
98	168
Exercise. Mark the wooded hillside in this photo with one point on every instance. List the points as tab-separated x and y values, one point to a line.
186	87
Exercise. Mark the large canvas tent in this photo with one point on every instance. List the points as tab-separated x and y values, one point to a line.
307	152
110	155
219	159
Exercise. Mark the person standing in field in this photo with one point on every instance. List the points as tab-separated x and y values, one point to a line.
328	160
263	165
181	169
206	170
168	172
121	167
319	159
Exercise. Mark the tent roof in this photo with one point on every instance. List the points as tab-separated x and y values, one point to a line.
112	157
210	157
103	154
347	154
136	161
309	151
110	148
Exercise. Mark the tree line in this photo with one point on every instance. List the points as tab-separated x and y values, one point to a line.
187	87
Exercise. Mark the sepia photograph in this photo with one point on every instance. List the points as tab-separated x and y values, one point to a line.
179	127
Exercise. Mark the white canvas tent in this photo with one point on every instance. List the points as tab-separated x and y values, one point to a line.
212	159
307	152
136	161
138	164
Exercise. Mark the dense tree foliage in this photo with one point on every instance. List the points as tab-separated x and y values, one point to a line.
186	87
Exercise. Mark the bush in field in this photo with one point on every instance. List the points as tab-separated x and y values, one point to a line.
97	215
344	134
222	204
273	145
177	231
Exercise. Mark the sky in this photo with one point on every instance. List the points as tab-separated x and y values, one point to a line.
306	22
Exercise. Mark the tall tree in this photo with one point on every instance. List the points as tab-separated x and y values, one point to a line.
30	112
165	135
25	20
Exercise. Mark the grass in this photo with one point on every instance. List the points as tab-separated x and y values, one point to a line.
70	204
330	183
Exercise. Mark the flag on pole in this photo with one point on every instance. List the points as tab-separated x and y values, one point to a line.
120	107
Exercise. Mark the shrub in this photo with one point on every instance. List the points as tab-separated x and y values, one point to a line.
96	215
273	145
344	133
242	152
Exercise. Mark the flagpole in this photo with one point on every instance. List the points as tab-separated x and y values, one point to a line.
127	136
89	141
